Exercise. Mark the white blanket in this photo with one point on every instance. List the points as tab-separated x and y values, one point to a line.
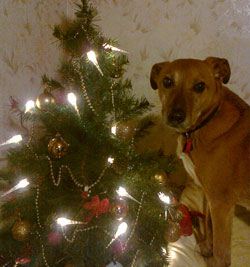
185	252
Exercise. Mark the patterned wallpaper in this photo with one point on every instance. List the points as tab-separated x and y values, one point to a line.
159	30
151	30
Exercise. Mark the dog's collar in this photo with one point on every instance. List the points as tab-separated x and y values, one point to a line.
188	147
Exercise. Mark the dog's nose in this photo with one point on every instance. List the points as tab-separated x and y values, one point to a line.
176	116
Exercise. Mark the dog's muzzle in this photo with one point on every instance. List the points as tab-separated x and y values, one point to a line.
176	117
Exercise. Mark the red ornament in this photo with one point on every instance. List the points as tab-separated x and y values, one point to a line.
186	228
54	238
85	194
96	207
119	209
117	247
23	261
60	96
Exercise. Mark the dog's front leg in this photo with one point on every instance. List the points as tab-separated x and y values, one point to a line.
206	244
222	217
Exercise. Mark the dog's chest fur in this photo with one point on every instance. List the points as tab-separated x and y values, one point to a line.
187	161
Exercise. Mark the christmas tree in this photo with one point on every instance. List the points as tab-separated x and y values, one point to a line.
78	192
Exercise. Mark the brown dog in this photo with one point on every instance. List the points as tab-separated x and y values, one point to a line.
214	141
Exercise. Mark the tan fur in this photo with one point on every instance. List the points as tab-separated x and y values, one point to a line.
220	159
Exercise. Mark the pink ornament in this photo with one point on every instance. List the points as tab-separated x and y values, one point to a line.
60	96
23	261
117	247
54	238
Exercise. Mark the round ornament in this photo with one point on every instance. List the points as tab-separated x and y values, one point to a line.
21	230
160	177
125	131
57	147
175	214
172	233
120	209
186	227
54	238
44	99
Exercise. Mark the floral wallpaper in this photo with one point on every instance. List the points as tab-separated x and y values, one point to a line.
27	51
163	30
150	30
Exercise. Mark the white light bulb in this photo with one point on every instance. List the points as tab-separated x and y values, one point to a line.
72	100
64	221
114	129
113	48
13	140
122	228
22	184
92	57
122	192
110	160
29	105
164	198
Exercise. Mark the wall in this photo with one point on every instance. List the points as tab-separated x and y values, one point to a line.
151	30
162	30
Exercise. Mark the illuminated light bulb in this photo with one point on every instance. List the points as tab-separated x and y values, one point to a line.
122	192
122	229
110	160
113	48
164	198
64	221
29	106
114	129
13	140
72	100
92	57
22	184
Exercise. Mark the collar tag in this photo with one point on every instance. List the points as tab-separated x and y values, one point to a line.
188	146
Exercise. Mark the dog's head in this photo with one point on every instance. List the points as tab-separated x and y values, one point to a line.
189	89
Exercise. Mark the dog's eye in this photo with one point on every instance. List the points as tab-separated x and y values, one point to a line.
167	82
199	87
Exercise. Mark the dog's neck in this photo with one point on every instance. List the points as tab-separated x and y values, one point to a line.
205	130
203	122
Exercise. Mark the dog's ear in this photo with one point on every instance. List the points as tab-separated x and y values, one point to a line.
154	73
221	68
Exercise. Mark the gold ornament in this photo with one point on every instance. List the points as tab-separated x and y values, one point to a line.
161	177
120	209
57	147
44	99
172	233
21	230
125	130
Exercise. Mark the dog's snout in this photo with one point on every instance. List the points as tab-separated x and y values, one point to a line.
176	116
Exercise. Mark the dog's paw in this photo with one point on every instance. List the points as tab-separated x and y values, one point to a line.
206	248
